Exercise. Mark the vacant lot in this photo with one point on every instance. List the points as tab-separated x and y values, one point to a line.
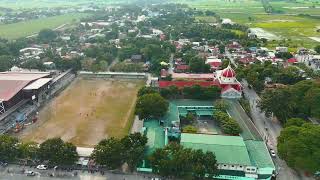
26	28
86	112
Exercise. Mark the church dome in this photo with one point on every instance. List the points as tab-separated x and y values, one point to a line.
228	72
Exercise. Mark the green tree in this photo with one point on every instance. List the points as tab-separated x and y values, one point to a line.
151	106
312	99
295	122
197	65
231	127
189	129
109	152
6	62
8	148
178	162
203	163
227	124
278	101
221	105
134	146
28	150
58	152
146	90
299	146
47	35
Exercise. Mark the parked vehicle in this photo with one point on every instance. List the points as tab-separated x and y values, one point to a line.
42	167
30	173
3	164
273	153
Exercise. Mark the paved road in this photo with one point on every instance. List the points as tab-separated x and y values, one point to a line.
270	129
16	174
170	70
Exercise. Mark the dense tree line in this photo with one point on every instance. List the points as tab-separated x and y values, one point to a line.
54	151
299	145
299	100
257	74
227	124
175	161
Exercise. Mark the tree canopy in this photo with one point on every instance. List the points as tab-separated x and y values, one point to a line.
178	162
227	124
113	152
8	148
58	152
298	100
299	145
151	106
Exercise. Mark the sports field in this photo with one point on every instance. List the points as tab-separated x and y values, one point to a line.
26	28
86	112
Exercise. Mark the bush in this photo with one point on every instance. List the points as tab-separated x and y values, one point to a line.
189	129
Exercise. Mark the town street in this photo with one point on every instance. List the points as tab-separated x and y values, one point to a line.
270	129
14	172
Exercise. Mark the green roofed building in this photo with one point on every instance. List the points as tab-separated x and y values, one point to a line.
234	157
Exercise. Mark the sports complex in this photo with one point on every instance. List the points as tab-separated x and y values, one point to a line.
85	108
82	110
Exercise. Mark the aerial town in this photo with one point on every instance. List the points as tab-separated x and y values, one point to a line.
157	90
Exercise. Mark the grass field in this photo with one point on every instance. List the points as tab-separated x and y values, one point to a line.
26	28
288	25
86	112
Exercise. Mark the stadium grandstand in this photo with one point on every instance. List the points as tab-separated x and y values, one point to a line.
12	86
22	93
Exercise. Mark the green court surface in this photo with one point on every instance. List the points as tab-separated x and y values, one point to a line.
155	134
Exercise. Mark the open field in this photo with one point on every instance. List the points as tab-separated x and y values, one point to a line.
86	112
26	28
288	25
28	4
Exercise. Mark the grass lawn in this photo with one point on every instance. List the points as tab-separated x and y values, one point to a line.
87	111
26	28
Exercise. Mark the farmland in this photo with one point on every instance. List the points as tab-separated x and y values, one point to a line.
26	28
86	112
288	23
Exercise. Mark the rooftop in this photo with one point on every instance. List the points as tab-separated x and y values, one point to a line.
191	76
11	83
259	154
228	149
22	76
38	83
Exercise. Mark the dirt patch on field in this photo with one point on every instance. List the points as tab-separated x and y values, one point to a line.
86	112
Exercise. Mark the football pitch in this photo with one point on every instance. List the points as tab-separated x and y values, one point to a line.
86	112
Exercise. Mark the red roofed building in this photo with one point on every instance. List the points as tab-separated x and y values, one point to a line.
181	68
225	79
292	60
214	62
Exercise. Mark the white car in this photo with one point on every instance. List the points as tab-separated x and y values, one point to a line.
42	167
273	153
30	173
